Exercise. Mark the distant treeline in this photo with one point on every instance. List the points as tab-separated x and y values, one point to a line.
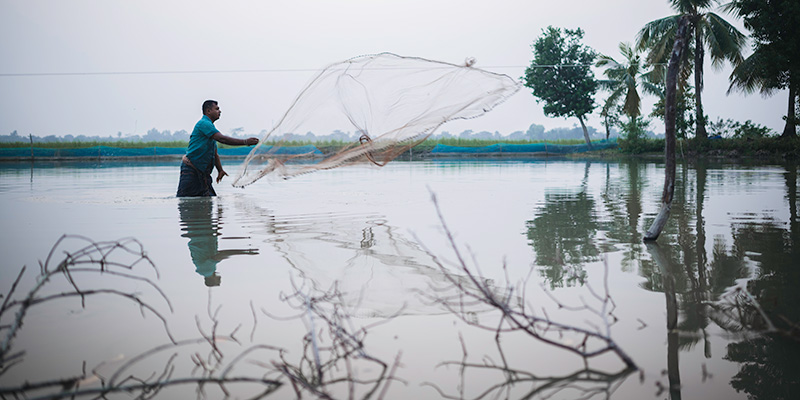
534	133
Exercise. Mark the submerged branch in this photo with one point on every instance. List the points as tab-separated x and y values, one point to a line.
102	256
515	317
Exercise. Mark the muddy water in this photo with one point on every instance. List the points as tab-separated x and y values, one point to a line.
563	232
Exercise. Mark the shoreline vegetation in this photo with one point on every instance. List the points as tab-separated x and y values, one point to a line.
771	148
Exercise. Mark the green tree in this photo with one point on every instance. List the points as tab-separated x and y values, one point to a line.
770	363
560	75
684	118
623	81
707	30
610	116
775	62
622	198
625	78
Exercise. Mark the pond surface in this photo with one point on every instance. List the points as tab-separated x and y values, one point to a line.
271	267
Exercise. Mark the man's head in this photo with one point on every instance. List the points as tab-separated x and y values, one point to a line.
211	109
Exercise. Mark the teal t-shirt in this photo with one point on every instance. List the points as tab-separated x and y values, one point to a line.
201	146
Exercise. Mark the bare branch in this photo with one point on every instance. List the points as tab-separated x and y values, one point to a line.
514	317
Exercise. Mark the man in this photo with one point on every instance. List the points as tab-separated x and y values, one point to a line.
201	155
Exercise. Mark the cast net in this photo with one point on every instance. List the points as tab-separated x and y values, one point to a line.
390	102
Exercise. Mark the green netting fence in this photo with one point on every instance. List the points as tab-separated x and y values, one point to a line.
114	152
439	149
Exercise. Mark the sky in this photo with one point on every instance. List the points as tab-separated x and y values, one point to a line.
103	67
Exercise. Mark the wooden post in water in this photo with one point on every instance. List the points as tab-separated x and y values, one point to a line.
669	131
30	135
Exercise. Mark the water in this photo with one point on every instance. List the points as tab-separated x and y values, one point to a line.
251	259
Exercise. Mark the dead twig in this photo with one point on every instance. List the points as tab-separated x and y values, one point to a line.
514	314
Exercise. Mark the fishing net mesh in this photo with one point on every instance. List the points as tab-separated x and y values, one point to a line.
392	102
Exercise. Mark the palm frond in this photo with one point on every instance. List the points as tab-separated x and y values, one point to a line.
724	41
606	61
655	31
732	8
655	76
686	68
632	102
616	73
608	85
613	99
627	50
690	6
750	76
651	88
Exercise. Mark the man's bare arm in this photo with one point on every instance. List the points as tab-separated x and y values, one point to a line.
220	172
233	141
217	162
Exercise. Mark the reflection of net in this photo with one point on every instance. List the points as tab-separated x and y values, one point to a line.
393	103
377	271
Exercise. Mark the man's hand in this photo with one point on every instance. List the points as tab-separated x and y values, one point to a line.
251	141
220	173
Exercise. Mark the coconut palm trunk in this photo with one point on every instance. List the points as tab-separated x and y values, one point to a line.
790	129
699	54
711	33
669	136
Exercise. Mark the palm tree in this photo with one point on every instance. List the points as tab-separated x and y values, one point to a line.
757	73
751	75
624	80
775	63
708	30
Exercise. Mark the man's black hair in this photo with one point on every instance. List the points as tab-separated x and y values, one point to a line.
208	104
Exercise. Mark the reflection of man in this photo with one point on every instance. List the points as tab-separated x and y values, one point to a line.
202	229
201	155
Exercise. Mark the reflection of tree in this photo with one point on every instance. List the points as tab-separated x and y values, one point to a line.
698	281
511	313
202	228
680	268
686	299
693	253
770	367
668	268
563	235
770	364
623	203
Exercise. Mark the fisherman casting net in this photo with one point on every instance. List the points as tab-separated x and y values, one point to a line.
392	103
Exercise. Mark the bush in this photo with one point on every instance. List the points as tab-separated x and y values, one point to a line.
641	146
635	128
751	130
635	139
748	146
733	129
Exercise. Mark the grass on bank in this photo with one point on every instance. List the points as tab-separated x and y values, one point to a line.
84	145
730	147
727	147
429	144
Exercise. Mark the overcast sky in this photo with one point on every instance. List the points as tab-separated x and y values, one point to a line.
129	66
